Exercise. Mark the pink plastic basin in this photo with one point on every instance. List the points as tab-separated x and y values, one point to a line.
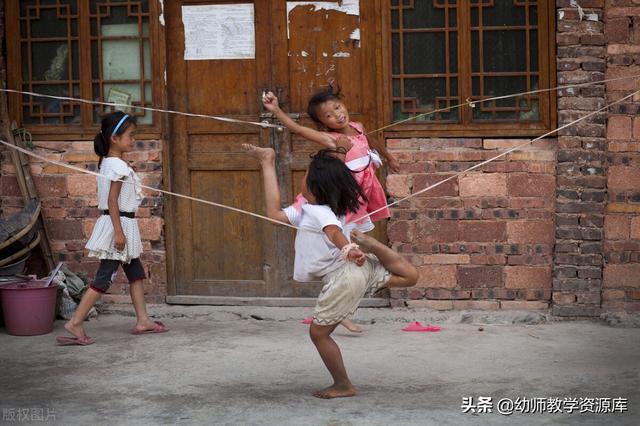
28	307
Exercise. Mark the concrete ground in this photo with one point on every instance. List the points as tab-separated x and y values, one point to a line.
248	365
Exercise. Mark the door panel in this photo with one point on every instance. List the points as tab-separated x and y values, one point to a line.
299	49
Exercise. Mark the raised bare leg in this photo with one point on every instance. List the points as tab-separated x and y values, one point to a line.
332	358
404	273
267	158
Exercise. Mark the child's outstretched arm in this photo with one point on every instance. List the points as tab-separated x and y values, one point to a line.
114	214
382	149
267	158
335	235
270	102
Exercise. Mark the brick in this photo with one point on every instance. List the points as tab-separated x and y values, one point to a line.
616	227
65	229
625	84
576	310
400	231
410	144
493	293
532	156
482	231
622	11
446	189
158	272
480	276
621	306
528	232
50	186
437	276
635	228
592	39
441	294
567	39
9	186
80	157
482	305
522	305
622	208
589	298
617	30
151	229
621	178
483	185
527	277
446	259
525	185
438	305
398	185
564	298
619	127
502	144
81	186
441	231
625	275
636	129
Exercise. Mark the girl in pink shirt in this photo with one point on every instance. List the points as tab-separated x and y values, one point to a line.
328	111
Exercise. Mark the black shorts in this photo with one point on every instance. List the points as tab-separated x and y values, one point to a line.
107	271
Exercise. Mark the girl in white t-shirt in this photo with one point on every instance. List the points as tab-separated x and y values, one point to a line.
323	251
115	239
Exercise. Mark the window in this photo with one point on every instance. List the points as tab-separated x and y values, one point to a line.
97	49
445	52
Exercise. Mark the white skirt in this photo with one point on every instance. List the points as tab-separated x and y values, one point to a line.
102	241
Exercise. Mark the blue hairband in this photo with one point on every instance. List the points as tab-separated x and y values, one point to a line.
122	120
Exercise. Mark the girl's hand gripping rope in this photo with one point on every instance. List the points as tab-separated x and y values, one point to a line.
351	252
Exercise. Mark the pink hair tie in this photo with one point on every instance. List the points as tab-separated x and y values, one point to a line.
346	249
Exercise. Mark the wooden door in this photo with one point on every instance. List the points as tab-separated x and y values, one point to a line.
298	49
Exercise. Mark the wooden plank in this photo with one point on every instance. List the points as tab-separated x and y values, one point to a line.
264	301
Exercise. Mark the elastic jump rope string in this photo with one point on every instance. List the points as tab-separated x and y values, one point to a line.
264	125
472	104
276	126
167	111
502	154
212	203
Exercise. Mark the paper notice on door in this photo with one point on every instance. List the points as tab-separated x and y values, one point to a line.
223	31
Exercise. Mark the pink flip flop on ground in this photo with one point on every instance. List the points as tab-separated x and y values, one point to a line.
417	326
158	328
69	341
307	320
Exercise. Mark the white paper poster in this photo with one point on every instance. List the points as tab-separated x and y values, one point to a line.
221	31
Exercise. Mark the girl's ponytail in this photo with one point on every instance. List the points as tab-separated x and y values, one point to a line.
101	147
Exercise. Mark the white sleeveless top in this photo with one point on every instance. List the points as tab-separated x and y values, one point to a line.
102	241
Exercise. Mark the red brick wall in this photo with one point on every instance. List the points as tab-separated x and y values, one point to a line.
557	224
621	280
571	231
485	241
582	164
70	208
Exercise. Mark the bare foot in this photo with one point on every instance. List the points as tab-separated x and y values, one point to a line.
336	391
76	330
262	154
365	242
349	325
148	325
